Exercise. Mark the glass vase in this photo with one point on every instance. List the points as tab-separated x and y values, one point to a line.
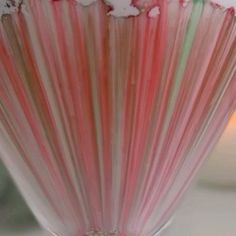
109	108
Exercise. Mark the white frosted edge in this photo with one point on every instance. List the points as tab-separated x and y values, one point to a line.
9	6
125	8
154	12
119	8
122	8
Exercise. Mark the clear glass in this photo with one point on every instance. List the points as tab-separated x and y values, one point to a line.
105	120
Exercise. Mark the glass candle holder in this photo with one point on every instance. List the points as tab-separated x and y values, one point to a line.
109	108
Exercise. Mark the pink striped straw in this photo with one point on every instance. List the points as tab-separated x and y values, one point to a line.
108	109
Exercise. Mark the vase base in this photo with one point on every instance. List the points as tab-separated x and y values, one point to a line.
164	227
101	233
116	233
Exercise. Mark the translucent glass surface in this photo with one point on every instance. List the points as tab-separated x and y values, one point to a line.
105	120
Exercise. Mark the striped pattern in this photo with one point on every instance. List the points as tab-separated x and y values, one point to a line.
104	121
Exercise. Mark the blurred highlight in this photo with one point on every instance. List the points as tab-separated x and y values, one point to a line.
233	119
